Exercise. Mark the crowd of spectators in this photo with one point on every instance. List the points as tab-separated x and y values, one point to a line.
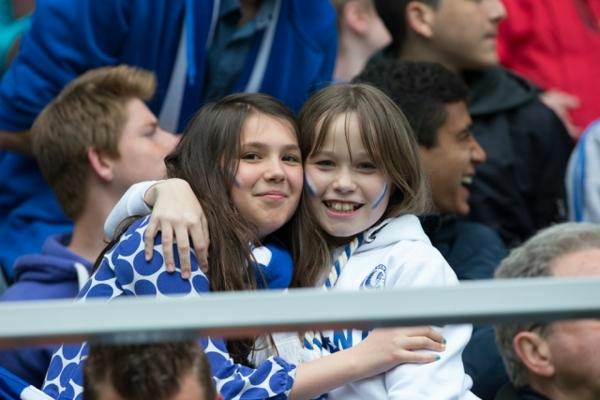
274	144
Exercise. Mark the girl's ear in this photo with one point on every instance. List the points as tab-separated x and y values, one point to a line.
420	18
533	351
101	165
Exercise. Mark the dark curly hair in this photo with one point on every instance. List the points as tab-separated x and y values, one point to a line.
420	89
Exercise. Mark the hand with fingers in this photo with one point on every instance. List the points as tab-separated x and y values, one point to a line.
562	103
386	348
177	214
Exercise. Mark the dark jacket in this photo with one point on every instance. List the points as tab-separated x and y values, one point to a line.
474	251
56	273
519	189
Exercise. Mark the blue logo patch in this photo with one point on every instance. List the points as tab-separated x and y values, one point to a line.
375	279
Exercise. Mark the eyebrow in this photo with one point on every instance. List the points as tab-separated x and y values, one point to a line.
260	145
327	153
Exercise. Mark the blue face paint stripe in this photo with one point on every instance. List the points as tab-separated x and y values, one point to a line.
309	186
379	199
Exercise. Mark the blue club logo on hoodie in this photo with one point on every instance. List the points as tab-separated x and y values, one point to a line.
375	279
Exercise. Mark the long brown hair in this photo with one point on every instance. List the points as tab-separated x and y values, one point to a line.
207	158
388	139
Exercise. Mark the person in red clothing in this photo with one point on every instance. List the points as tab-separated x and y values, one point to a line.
555	44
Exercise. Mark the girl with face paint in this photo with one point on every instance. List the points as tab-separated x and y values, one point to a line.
363	184
241	159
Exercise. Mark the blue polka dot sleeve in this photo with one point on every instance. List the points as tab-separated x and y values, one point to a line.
125	272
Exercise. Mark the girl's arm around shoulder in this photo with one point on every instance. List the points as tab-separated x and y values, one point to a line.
130	204
175	212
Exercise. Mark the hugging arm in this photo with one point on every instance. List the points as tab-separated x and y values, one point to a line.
175	212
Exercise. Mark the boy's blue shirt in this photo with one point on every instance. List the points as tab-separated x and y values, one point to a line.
69	37
51	274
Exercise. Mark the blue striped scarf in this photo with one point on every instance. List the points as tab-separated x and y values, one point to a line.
314	340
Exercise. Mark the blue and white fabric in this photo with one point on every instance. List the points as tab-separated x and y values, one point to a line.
340	262
583	179
124	272
397	254
14	388
314	340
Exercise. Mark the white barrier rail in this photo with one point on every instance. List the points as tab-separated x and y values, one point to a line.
249	313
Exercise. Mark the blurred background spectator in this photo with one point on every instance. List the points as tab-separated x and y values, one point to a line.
583	177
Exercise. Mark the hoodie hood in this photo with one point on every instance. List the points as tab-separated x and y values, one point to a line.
393	230
497	90
55	263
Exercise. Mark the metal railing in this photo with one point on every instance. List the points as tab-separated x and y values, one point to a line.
250	313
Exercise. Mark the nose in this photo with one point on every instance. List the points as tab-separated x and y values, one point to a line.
496	10
478	155
343	181
274	170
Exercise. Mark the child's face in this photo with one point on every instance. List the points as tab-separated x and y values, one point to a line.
347	192
268	181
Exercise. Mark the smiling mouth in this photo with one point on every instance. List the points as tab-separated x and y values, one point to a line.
466	181
341	207
273	195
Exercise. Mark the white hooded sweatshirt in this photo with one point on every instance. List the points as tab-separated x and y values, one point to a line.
398	254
